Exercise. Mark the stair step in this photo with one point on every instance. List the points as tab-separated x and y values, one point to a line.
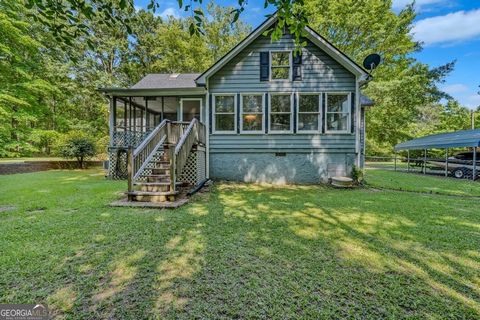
161	183
160	161
152	193
155	175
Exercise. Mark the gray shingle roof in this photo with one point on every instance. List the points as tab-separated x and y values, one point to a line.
167	81
365	101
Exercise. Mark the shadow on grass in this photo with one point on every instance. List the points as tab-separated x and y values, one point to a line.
246	251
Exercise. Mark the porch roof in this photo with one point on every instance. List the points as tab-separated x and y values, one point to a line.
167	81
131	92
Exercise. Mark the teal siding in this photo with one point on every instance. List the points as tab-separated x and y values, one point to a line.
320	73
282	142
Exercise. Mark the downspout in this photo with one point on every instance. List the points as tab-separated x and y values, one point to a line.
359	84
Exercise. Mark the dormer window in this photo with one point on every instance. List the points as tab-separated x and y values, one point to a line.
280	66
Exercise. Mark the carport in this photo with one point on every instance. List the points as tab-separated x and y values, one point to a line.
457	139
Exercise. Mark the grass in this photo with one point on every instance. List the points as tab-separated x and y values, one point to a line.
240	251
421	183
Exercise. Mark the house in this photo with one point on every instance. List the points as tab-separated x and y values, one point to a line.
260	114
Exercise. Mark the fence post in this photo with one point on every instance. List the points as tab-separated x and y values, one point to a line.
395	162
130	168
172	168
446	162
408	160
474	173
425	161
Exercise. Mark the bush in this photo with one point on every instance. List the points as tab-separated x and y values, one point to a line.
357	174
78	147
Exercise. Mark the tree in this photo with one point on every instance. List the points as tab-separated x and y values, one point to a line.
65	19
401	85
79	147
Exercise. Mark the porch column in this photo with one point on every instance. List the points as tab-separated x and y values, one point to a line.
146	114
163	106
142	124
112	117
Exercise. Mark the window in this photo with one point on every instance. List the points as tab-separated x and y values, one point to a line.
224	113
308	112
338	112
280	113
252	113
280	65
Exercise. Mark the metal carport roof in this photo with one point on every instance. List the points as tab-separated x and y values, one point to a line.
463	138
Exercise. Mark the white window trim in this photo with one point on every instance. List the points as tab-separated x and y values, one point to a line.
262	94
270	112
319	95
191	99
349	119
290	65
214	113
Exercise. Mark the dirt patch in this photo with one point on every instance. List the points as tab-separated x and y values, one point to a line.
7	208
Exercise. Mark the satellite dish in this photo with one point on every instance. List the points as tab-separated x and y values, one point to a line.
372	61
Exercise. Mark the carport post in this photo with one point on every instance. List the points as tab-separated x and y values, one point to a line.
474	175
446	162
425	161
408	160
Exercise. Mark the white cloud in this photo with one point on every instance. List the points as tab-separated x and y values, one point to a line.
173	12
471	101
419	4
450	28
455	88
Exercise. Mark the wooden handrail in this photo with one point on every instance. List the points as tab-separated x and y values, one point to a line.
177	138
193	134
139	158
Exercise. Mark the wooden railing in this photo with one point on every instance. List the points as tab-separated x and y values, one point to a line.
177	138
193	134
139	157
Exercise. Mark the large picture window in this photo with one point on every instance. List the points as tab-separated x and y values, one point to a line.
308	112
280	113
338	112
280	65
224	114
251	120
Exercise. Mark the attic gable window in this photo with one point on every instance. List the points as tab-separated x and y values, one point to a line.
280	65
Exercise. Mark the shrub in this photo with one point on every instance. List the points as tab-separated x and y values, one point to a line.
78	147
357	174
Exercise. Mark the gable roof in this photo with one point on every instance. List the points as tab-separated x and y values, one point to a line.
167	80
313	36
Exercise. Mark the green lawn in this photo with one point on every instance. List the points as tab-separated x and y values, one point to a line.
410	181
240	251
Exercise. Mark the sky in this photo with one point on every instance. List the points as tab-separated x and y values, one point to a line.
449	30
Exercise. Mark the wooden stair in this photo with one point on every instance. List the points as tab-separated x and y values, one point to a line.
153	167
156	186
